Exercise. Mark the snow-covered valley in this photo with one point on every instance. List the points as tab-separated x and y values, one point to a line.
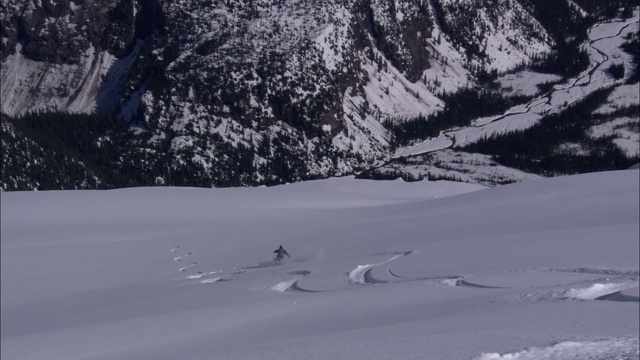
542	269
604	45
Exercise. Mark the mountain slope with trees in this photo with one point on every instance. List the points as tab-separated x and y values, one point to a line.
266	92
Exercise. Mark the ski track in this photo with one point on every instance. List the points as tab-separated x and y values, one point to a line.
292	285
196	274
220	276
394	275
618	285
606	285
464	283
362	273
633	273
458	281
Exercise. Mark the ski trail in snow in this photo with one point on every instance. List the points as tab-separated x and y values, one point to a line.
292	285
284	285
631	273
362	273
208	277
213	280
182	269
179	258
458	281
200	275
464	283
600	291
625	295
263	264
587	284
394	275
601	285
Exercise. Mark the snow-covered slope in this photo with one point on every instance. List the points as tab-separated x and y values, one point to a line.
544	269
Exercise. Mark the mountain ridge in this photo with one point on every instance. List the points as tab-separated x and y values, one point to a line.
262	92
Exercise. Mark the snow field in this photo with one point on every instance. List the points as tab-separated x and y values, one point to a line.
378	270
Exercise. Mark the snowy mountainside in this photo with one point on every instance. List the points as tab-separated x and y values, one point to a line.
568	125
233	93
495	34
310	80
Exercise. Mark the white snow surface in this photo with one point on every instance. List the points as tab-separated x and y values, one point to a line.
542	269
622	96
466	167
525	83
625	137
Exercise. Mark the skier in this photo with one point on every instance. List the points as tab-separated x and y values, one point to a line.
281	252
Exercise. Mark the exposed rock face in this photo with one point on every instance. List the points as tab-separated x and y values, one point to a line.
56	54
59	32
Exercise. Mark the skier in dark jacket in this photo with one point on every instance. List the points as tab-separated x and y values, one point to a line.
281	252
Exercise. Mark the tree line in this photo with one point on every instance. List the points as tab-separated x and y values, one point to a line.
560	143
